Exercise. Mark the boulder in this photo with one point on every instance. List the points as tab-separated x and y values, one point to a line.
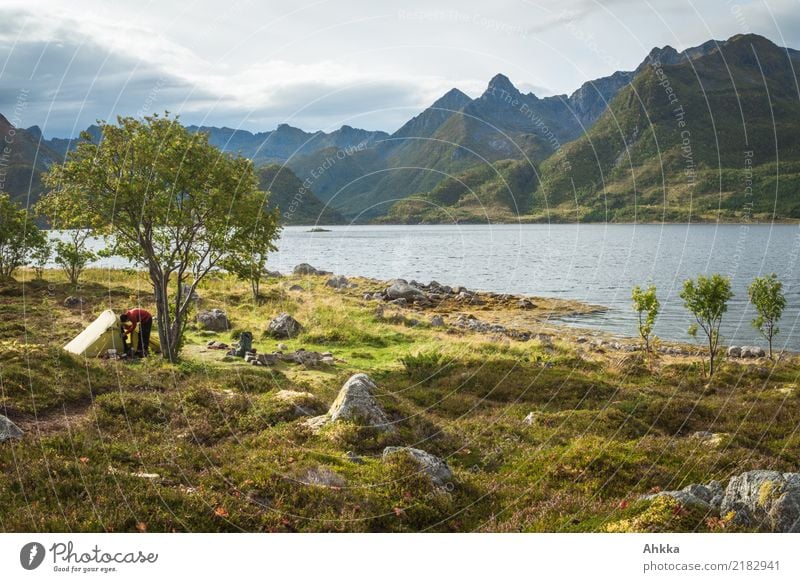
284	326
74	302
734	352
8	430
399	289
214	320
306	269
355	403
437	321
764	499
752	352
526	304
339	282
436	468
296	288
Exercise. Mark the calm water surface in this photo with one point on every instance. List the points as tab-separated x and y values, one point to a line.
595	263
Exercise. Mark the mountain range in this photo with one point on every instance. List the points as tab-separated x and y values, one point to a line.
706	133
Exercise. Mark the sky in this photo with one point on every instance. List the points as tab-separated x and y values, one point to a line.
321	64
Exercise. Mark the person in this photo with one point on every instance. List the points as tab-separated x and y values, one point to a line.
141	317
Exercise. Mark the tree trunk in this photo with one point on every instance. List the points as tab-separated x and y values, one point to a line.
166	337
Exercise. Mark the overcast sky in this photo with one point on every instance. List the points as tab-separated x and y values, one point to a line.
321	64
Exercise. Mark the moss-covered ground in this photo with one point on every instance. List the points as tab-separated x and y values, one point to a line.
206	445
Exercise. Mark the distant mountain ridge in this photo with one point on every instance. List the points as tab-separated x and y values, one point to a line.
608	151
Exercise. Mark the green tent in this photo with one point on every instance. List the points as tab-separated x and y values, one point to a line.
104	334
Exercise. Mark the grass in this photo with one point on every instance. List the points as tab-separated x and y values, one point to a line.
209	445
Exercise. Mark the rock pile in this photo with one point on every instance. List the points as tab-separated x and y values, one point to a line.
746	352
471	323
339	282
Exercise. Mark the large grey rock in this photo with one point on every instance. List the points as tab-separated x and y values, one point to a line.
436	468
306	269
284	326
74	302
752	352
764	499
437	321
734	352
8	430
214	320
355	403
399	289
339	282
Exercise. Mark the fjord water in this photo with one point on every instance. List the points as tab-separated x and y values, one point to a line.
595	263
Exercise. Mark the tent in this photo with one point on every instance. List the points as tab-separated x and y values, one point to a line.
104	334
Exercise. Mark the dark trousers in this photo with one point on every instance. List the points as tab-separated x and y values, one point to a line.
143	348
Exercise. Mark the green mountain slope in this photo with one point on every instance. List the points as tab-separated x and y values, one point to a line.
713	137
297	204
500	192
22	160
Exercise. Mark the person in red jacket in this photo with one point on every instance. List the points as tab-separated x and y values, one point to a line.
141	317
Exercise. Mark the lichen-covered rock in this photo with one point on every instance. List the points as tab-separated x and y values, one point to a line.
355	403
708	496
436	468
214	320
764	499
8	430
437	321
284	326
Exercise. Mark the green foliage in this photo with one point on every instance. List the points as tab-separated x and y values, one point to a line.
646	306
40	256
66	212
424	366
707	299
766	295
171	202
249	259
20	238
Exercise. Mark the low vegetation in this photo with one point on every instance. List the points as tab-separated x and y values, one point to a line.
550	434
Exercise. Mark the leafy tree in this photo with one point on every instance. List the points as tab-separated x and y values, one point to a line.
65	212
647	306
20	238
766	295
40	256
165	199
248	261
707	299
